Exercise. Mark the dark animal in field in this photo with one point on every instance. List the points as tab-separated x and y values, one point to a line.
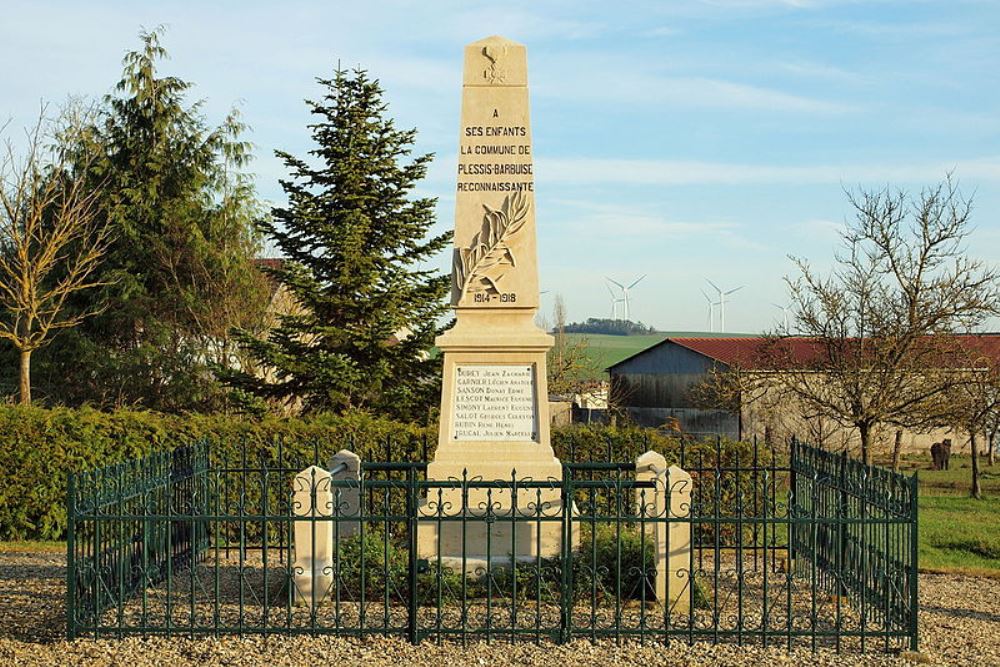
940	454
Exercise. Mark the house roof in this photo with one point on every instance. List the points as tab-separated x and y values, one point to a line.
268	262
749	352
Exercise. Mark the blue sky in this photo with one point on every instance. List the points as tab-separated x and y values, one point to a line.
684	140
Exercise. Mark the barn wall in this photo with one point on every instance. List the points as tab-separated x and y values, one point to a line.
690	420
659	378
654	388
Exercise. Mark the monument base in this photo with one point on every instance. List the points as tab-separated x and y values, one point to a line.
494	427
479	544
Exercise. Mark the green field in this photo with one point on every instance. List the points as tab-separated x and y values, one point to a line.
958	533
604	350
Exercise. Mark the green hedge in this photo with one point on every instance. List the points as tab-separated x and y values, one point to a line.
38	447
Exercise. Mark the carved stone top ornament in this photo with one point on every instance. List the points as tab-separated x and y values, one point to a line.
496	71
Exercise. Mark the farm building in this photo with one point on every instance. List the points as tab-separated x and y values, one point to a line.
655	387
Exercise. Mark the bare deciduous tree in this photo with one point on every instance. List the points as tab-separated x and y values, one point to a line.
974	405
879	320
568	363
51	240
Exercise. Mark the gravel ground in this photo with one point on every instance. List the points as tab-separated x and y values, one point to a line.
960	625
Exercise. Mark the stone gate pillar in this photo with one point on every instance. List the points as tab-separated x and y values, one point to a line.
668	507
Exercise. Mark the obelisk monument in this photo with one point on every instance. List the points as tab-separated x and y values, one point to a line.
494	399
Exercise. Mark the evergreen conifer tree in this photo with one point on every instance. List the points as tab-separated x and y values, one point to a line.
354	242
179	274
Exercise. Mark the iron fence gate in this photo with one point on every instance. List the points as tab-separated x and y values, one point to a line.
802	547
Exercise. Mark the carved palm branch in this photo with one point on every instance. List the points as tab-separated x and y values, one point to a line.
478	267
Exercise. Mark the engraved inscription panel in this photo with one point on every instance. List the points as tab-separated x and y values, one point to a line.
495	403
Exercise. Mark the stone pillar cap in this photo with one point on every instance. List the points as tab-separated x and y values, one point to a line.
495	61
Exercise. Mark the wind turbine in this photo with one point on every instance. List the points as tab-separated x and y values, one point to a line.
625	290
722	303
614	301
711	311
784	315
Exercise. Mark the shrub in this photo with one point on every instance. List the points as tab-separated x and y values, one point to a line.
39	447
596	567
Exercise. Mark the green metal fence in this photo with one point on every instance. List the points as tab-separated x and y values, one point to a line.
797	548
863	549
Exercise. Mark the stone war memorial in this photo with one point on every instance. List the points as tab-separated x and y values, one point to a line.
505	531
494	401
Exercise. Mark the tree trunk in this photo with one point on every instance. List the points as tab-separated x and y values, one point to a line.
991	458
25	377
897	448
865	431
976	491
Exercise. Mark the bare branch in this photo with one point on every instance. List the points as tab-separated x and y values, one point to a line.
883	322
52	239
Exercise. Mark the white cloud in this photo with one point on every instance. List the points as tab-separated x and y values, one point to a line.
581	171
518	23
603	79
817	228
815	70
764	4
900	29
662	31
593	220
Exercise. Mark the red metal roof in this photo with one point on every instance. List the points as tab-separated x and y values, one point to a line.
753	352
743	352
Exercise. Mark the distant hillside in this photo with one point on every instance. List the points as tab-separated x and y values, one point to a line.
595	325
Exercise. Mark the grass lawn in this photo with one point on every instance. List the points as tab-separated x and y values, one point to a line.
957	533
960	534
32	546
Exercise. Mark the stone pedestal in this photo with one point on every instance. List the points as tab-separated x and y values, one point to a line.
478	442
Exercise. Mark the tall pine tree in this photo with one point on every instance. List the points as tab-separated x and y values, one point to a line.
354	240
179	274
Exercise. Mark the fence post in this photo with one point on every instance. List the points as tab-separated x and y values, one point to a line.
914	550
345	465
793	495
312	498
669	506
71	556
411	512
566	557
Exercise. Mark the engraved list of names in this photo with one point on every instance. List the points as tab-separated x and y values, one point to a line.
495	403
